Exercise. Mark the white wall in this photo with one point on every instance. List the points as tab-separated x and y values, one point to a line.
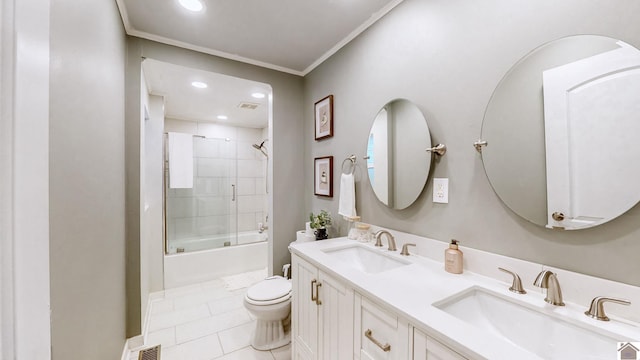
24	180
87	184
447	56
151	225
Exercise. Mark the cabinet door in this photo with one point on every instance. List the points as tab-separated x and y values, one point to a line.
426	348
335	318
304	310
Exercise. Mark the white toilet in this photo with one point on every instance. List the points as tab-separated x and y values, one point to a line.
269	301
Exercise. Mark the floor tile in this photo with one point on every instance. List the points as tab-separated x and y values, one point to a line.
161	306
181	291
210	325
236	338
282	353
173	318
205	348
190	300
220	306
203	321
248	353
164	337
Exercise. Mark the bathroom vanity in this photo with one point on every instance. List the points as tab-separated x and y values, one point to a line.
357	301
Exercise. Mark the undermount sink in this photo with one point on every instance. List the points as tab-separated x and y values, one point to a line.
366	259
543	334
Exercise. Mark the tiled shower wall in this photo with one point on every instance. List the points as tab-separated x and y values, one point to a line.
225	158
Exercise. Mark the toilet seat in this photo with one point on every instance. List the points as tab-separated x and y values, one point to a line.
269	291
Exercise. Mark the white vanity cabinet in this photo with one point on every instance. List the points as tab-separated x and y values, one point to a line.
379	334
322	314
425	347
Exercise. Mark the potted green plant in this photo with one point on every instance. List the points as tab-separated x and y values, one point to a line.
319	223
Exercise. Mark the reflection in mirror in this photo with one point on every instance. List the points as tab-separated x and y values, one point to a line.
560	131
397	163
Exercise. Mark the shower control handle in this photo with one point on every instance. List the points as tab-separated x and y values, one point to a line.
233	192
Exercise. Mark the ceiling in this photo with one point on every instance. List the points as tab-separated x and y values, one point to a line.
293	36
222	96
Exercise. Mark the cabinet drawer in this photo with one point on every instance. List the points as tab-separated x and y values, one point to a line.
378	332
426	348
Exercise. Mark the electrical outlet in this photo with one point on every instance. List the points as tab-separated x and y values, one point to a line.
441	190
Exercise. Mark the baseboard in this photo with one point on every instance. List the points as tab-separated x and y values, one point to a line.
131	344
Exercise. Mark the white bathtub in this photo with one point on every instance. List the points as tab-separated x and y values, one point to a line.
198	266
214	242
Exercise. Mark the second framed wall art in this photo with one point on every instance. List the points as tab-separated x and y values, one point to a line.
323	176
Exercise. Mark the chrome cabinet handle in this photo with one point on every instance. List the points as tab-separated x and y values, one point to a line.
386	347
233	193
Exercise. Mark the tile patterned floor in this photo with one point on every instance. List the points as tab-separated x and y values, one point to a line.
204	322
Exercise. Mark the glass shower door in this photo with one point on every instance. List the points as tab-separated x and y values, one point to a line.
205	217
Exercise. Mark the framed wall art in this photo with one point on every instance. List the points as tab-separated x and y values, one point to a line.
323	176
324	118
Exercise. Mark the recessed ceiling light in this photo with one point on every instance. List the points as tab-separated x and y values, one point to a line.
222	117
199	84
258	95
192	5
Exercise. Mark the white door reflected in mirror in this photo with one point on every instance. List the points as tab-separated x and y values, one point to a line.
591	116
561	131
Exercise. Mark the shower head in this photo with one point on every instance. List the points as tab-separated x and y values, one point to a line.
261	144
261	147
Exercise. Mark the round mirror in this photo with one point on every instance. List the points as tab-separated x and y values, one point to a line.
397	162
561	131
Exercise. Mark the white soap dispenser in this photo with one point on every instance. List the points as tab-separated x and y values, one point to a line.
453	258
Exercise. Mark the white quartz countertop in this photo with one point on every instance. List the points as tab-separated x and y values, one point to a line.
410	291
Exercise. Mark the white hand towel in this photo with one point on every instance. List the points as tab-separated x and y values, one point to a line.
180	161
347	205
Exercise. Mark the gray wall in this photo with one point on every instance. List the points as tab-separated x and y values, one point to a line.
286	214
447	56
87	242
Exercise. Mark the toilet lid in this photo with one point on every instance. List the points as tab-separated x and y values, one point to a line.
269	289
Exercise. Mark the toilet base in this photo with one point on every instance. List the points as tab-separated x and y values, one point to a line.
271	334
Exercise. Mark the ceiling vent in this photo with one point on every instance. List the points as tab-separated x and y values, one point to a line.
248	106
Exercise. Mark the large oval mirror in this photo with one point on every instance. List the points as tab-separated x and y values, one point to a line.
397	162
561	131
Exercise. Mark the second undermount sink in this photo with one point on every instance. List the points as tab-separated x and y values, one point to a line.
543	334
365	258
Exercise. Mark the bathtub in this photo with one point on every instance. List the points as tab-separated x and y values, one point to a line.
193	266
189	245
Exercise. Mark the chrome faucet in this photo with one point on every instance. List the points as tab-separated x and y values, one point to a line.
390	239
548	280
596	310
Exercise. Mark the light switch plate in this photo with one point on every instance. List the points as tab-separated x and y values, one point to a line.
441	190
